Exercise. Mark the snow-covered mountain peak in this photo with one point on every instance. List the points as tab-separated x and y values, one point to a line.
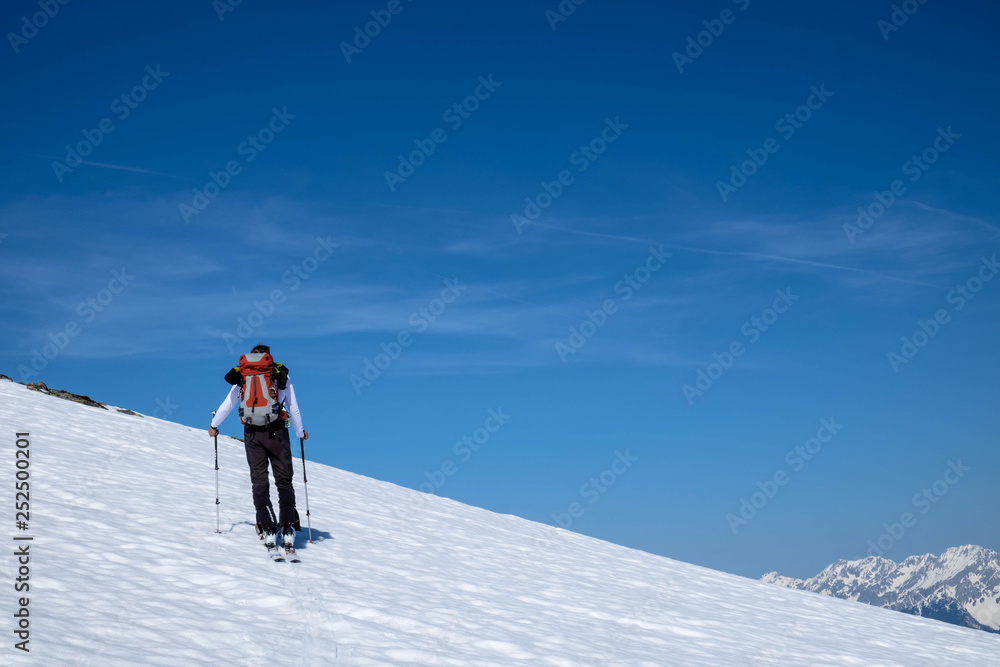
962	585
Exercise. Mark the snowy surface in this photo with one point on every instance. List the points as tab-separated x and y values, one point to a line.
127	570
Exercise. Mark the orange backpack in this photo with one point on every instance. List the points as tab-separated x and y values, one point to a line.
260	379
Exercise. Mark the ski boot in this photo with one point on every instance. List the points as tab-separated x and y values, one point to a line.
288	542
270	539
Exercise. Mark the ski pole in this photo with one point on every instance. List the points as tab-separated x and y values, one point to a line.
305	483
216	438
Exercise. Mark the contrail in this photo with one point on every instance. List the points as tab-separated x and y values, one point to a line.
978	221
116	166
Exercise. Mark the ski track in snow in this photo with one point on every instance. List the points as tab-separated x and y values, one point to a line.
127	570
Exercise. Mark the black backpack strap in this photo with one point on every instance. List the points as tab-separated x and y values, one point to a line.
234	376
281	375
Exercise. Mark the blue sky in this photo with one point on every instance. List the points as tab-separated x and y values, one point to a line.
597	113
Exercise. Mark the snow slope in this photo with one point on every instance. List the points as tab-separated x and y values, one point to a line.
127	570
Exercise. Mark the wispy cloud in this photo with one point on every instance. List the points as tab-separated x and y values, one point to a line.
756	256
520	301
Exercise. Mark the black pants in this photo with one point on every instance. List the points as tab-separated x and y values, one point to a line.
264	447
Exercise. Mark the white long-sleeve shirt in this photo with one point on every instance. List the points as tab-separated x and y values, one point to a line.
286	397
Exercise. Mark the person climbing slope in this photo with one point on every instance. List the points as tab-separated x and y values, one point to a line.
266	401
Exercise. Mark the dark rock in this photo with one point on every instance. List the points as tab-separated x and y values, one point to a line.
77	398
126	411
947	610
59	393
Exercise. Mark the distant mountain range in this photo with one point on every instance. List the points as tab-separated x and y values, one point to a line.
961	586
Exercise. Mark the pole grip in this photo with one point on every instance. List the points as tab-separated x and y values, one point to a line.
302	445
